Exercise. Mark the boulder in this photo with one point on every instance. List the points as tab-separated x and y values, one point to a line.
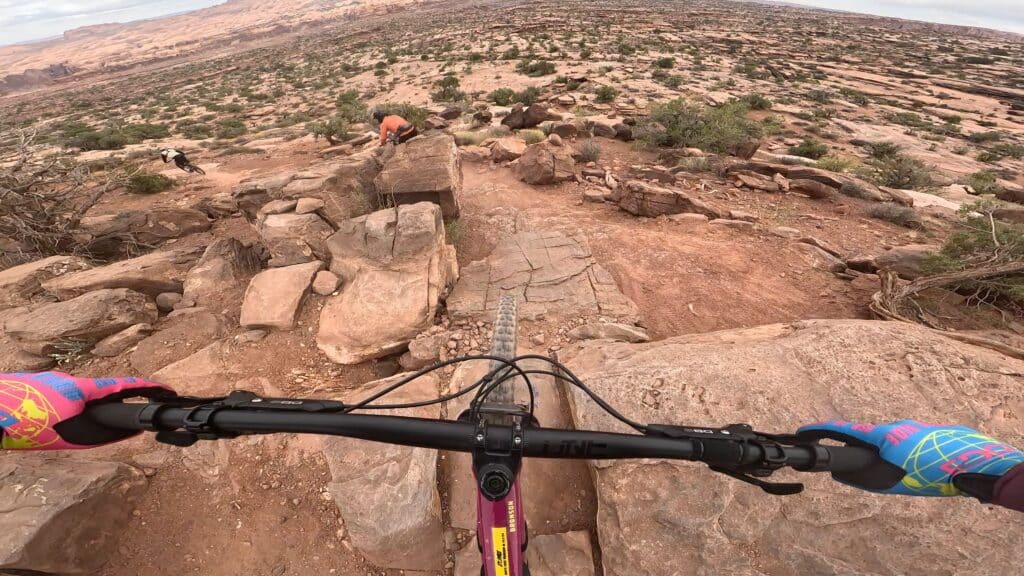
63	515
152	274
609	331
166	301
81	321
482	118
274	296
552	275
568	554
623	132
546	163
117	233
386	494
423	169
812	188
1009	214
325	283
566	130
14	359
819	370
424	351
308	205
507	149
179	336
536	114
222	272
601	130
474	153
435	123
217	206
746	149
277	207
116	344
396	267
642	199
757	182
22	285
906	261
1011	194
786	232
516	118
294	238
451	113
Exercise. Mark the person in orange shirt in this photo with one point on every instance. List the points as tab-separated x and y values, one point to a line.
394	129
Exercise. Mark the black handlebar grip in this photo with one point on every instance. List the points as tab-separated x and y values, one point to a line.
118	415
844	459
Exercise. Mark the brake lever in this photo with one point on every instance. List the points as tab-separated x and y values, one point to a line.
774	488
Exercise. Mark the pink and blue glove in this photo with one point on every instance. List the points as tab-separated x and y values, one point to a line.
43	411
924	459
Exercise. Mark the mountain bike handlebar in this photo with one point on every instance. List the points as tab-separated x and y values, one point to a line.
733	450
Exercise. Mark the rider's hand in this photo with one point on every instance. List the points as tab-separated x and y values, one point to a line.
43	411
925	459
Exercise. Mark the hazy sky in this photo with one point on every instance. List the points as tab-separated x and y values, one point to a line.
25	20
998	14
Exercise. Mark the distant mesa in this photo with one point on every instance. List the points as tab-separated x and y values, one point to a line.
33	78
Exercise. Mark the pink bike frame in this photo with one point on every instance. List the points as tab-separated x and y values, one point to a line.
501	533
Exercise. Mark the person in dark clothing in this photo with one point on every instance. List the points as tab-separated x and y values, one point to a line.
40	412
180	160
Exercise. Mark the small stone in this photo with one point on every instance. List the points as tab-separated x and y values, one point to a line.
537	339
555	139
326	283
149	472
741	215
785	232
688	218
737	224
308	205
593	195
251	336
278	207
166	301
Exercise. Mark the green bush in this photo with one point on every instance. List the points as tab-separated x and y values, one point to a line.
1013	150
836	164
112	137
334	129
144	182
231	128
532	136
466	138
350	106
510	54
606	94
982	137
897	214
194	129
757	102
665	62
527	96
448	90
502	96
809	148
535	68
983	182
684	124
898	171
626	49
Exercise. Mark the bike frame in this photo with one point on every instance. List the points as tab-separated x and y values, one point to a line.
501	533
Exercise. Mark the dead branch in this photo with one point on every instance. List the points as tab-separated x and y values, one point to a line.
888	302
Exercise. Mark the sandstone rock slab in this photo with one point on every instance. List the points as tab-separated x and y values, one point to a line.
819	370
642	199
152	274
275	295
294	238
22	285
552	274
63	516
423	169
546	163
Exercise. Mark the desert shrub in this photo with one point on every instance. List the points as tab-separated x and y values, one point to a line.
625	49
510	54
535	68
448	90
143	182
983	182
983	241
606	94
665	62
527	96
809	148
194	129
333	129
819	96
989	157
1013	150
982	137
413	114
854	96
757	102
898	171
897	214
694	164
882	149
589	151
112	137
532	136
683	124
350	106
836	163
467	138
910	119
502	96
231	128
